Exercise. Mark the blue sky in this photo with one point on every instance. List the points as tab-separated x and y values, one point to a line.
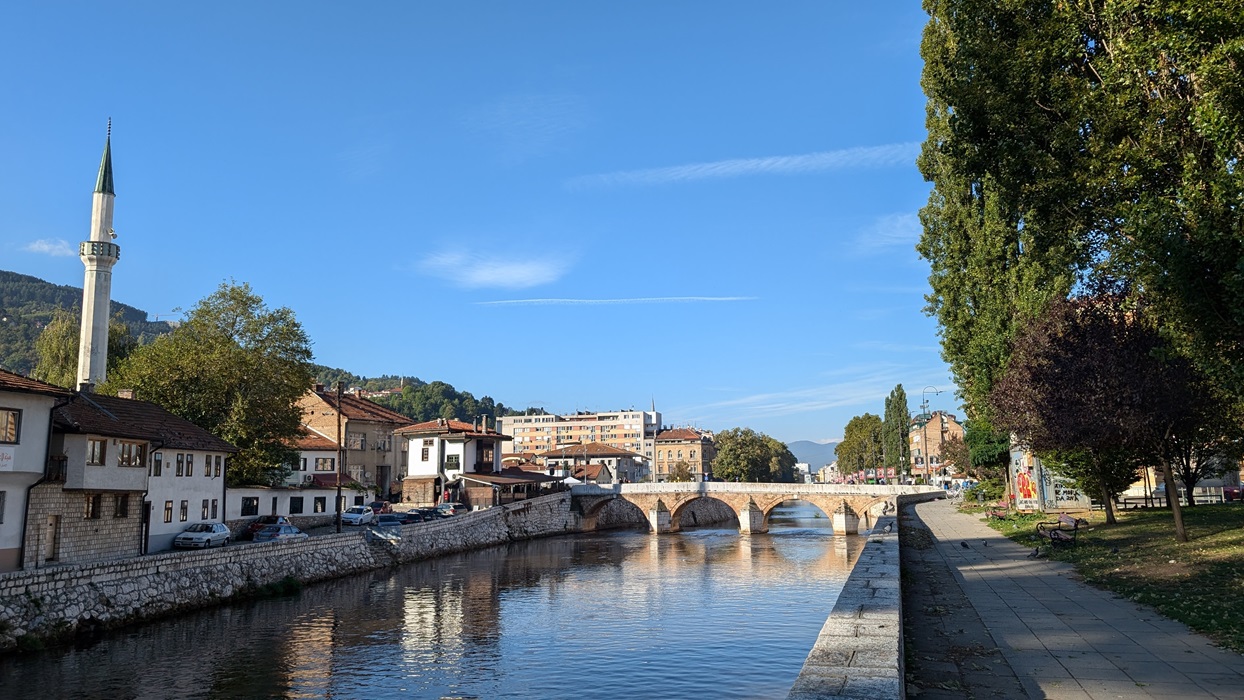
584	206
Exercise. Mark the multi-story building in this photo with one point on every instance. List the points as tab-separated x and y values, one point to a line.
693	447
631	430
625	465
25	423
373	458
444	452
929	432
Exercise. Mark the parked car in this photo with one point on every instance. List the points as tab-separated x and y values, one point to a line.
447	509
379	507
280	533
264	521
388	520
420	515
202	536
358	515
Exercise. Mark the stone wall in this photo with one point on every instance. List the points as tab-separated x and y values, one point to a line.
79	539
61	600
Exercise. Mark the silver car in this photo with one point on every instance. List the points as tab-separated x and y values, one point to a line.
202	536
280	533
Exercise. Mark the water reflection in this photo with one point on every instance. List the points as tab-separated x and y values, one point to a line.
706	612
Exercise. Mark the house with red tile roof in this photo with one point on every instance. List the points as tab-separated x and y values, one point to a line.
373	457
442	452
620	464
690	446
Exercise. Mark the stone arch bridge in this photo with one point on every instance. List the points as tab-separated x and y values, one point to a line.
846	504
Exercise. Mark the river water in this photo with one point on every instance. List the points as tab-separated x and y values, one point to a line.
703	613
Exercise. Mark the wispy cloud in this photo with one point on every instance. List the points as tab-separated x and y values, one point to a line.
475	271
51	246
590	302
861	157
891	231
529	125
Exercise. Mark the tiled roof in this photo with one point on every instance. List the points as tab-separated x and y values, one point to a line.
509	478
452	427
593	471
143	420
356	408
16	382
591	449
680	434
311	440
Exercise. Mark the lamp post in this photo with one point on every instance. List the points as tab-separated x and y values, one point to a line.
924	426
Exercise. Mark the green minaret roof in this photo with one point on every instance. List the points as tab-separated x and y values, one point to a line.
104	182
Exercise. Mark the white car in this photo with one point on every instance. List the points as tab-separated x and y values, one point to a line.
202	536
358	515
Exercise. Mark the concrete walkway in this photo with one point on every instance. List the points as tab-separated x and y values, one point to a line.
988	620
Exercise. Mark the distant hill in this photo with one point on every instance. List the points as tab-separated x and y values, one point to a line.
27	304
815	454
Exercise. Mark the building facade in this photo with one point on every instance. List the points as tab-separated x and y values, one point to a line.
929	432
690	446
25	423
442	452
624	465
634	431
374	458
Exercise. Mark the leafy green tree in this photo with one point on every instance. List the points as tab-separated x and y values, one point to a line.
861	444
989	450
57	348
896	425
781	461
236	368
1073	141
745	455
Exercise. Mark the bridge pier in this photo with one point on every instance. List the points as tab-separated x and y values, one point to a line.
845	521
752	518
659	519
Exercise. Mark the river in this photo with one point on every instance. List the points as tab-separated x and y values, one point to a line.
622	614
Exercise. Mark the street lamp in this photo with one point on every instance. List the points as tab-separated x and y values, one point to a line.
924	426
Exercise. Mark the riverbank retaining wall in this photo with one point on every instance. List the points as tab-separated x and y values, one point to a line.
60	601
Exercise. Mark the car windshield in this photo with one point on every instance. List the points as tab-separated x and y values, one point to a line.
270	530
356	510
199	527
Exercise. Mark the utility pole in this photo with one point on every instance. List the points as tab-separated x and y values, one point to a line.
341	454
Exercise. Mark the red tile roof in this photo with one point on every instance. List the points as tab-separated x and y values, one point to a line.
591	449
681	434
311	440
10	381
357	408
593	471
142	420
455	428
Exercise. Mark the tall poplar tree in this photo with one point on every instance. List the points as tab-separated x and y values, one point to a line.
895	431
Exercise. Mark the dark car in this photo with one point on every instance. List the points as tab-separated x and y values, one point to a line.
264	521
388	520
419	515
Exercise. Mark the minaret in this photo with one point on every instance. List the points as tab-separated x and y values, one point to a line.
98	254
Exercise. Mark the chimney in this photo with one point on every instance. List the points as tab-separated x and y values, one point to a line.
318	387
125	394
86	388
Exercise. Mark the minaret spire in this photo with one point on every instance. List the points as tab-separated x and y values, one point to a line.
98	254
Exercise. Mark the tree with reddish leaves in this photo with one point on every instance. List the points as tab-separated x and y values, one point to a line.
1094	385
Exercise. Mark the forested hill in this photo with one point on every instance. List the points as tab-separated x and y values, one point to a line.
420	400
27	304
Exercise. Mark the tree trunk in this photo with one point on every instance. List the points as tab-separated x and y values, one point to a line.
1172	497
1190	486
1108	502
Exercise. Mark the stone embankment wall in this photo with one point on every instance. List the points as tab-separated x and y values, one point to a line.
62	600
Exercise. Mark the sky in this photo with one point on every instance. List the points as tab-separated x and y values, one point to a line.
706	207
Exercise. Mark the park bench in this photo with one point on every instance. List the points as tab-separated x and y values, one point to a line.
999	511
1061	531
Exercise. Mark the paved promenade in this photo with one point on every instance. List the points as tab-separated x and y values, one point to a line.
989	621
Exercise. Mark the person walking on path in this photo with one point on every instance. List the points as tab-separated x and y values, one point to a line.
984	619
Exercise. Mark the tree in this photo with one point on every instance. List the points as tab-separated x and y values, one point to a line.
235	368
681	471
745	455
1075	141
897	426
57	348
861	447
957	454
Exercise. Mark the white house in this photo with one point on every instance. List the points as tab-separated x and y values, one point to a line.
442	451
25	420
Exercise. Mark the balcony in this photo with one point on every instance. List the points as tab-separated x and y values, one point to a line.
57	466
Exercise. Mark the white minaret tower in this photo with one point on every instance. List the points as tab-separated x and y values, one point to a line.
98	254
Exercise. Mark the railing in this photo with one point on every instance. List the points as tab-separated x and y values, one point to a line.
58	466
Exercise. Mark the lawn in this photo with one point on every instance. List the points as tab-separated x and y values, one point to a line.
1199	583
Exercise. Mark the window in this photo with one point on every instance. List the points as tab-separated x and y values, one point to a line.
219	460
185	511
383	443
214	504
427	442
325	464
181	464
356	441
204	515
132	454
453	462
157	464
303	466
96	451
423	455
189	466
2	495
320	503
122	506
10	420
94	501
168	511
250	505
295	505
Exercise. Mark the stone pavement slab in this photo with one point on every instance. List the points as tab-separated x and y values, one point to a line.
1049	634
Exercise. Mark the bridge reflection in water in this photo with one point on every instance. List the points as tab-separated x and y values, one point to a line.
706	612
